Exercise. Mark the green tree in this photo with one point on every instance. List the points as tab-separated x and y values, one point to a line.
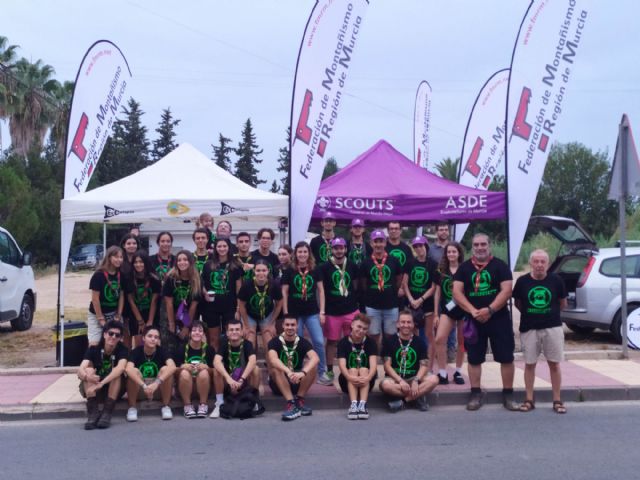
62	97
284	164
274	187
575	184
248	152
16	197
330	168
165	143
221	153
448	169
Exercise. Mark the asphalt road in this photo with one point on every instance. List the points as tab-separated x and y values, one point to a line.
593	441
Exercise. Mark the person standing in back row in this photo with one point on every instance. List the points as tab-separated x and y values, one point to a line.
321	244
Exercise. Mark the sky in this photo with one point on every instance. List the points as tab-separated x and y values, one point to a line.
216	63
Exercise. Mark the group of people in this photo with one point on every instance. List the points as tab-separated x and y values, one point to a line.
192	320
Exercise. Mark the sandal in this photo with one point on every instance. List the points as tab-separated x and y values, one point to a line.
559	407
527	406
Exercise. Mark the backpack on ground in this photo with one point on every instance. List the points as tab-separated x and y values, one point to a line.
241	405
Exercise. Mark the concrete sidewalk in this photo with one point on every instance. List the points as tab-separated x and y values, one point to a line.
586	376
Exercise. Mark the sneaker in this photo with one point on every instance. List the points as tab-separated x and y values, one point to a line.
509	404
325	379
352	414
443	380
395	405
189	412
304	410
363	413
166	412
475	401
132	414
216	412
203	410
291	412
421	403
458	379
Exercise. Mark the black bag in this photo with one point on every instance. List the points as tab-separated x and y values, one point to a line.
241	405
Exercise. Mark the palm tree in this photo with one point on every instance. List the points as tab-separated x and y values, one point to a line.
448	169
7	57
62	97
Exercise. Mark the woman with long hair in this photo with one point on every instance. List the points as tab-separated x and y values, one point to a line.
129	245
107	298
221	280
164	260
285	254
301	290
448	314
142	296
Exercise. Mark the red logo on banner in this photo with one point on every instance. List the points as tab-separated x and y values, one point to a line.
303	132
76	146
472	164
520	126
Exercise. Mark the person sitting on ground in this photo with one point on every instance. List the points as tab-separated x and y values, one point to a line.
149	369
358	363
101	375
540	296
405	366
292	369
236	365
195	371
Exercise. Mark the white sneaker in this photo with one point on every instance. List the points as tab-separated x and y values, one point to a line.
216	412
132	414
166	412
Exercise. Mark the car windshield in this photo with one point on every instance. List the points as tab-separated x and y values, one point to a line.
84	250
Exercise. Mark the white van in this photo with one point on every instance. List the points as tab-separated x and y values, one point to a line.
17	285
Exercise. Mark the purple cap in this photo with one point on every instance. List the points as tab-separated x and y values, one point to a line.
357	222
419	240
328	216
376	234
338	242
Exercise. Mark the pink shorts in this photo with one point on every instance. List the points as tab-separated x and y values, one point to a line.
337	327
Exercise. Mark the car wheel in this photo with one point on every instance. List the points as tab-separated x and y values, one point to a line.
616	324
25	319
579	329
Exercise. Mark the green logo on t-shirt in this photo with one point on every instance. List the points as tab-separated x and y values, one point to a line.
149	369
356	254
323	251
447	288
483	285
386	276
400	255
406	365
352	360
297	283
335	280
539	299
111	294
219	281
419	278
181	293
294	358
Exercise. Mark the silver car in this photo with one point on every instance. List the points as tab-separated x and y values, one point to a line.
592	277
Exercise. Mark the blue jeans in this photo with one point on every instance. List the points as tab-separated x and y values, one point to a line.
451	341
312	322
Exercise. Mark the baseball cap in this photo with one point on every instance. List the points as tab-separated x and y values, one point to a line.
376	234
338	241
357	222
328	216
419	240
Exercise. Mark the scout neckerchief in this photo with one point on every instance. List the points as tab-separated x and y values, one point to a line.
262	297
359	251
303	274
145	292
403	354
289	352
225	272
203	348
199	260
380	267
342	284
116	290
112	358
165	266
235	360
359	353
479	266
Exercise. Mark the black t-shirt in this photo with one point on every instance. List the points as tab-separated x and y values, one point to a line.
405	357
254	295
356	253
445	281
298	304
187	354
222	280
248	275
143	291
110	288
421	276
235	357
291	357
179	290
149	365
540	301
402	252
162	267
491	277
354	351
387	297
320	249
335	303
271	258
200	260
103	362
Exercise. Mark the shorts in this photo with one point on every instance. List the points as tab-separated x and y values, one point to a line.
549	341
456	313
383	319
276	391
337	326
94	329
156	395
418	317
259	324
499	331
342	380
215	319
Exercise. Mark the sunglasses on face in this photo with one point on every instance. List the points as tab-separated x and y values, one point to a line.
114	334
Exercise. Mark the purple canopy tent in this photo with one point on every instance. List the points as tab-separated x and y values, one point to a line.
382	184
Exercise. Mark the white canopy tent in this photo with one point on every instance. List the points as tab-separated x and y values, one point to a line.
178	187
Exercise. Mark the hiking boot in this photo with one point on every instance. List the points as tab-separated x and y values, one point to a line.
509	403
363	413
325	379
352	414
291	412
395	405
421	403
458	379
304	410
215	413
189	412
475	401
166	413
107	411
443	380
132	414
203	410
93	414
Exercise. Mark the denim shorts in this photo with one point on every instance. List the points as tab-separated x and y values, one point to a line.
383	320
